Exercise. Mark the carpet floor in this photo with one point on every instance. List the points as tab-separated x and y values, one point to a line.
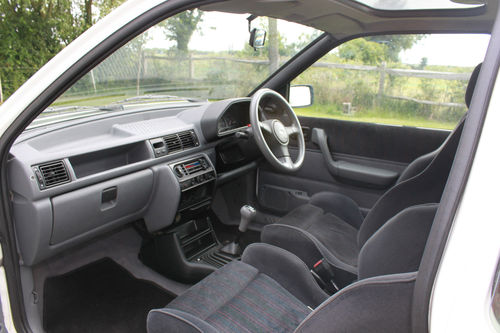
100	297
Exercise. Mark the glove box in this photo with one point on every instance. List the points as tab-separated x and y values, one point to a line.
116	201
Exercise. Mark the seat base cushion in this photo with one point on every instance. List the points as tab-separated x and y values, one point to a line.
235	298
339	205
312	234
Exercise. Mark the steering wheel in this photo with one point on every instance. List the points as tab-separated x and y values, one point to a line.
272	136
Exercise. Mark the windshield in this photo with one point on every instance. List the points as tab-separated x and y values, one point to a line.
189	57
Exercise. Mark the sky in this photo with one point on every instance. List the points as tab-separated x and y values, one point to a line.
222	32
450	50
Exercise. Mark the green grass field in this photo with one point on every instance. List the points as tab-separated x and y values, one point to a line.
371	116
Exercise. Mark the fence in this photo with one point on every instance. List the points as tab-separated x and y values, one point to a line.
137	71
383	71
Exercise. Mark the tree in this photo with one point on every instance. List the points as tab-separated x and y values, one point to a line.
33	31
362	50
376	49
423	63
93	10
395	44
181	27
274	44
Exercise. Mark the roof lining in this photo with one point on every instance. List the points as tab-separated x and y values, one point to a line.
313	13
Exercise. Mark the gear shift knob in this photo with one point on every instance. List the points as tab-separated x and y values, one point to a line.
247	215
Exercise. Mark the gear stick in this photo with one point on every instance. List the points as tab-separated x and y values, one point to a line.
247	213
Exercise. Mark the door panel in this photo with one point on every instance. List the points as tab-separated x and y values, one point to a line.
375	146
383	142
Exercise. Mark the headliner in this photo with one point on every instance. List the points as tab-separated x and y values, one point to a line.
345	18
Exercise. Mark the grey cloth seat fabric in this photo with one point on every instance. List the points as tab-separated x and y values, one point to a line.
272	290
331	225
237	297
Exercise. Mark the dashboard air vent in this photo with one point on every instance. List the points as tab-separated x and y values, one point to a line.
174	143
188	139
51	174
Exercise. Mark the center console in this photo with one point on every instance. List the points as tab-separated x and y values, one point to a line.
196	178
189	250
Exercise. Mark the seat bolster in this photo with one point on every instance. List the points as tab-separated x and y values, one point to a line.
286	269
381	304
339	205
398	246
172	320
417	166
302	244
291	239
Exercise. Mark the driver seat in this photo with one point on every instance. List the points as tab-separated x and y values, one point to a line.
272	290
331	225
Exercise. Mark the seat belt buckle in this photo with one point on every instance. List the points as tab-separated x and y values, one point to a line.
323	273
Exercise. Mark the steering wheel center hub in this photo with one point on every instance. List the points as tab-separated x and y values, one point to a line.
280	132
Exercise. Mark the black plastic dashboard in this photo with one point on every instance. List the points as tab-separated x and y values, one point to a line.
73	181
225	117
234	118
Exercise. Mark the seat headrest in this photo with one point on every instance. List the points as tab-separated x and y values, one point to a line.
472	85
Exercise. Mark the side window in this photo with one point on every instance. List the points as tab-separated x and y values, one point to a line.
410	80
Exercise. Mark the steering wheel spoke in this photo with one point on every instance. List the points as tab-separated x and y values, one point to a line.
292	130
286	161
266	126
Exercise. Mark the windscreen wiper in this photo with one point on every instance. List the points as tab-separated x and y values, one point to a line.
56	114
68	109
143	98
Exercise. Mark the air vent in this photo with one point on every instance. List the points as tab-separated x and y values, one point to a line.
174	143
51	174
188	139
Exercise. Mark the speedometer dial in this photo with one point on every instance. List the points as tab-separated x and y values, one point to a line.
235	118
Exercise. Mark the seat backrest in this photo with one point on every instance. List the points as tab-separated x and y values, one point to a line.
424	187
420	163
381	300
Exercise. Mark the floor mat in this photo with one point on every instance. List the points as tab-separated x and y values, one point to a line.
100	297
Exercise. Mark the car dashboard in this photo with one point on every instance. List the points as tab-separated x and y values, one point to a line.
73	181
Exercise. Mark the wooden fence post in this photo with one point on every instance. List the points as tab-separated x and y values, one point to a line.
139	70
381	81
191	66
93	80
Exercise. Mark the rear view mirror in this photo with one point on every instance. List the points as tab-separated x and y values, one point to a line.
257	38
301	96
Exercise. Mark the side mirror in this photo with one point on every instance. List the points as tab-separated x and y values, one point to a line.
257	38
301	95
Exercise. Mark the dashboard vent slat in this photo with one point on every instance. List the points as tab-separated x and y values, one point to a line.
174	143
51	174
188	139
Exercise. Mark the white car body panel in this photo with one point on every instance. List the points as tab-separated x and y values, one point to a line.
461	299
